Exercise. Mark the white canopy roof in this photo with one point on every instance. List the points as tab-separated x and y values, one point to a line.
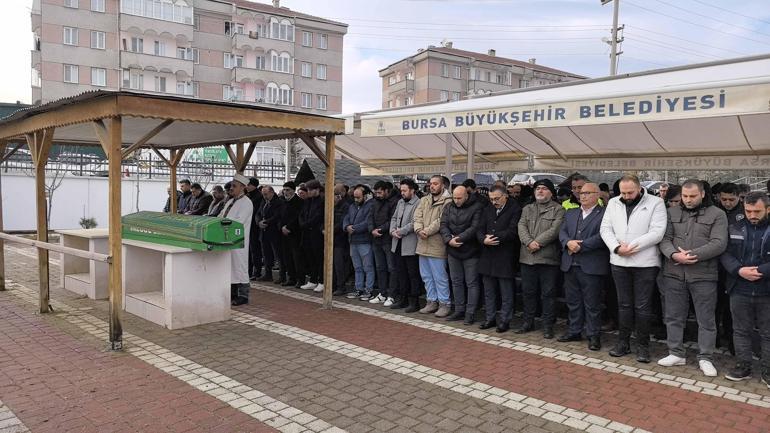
713	115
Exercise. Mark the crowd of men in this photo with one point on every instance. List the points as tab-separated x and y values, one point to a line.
620	254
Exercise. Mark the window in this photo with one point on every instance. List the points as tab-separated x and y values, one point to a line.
444	96
279	95
455	96
196	57
259	95
168	10
97	5
98	76
398	102
391	80
185	88
184	53
228	61
287	98
281	62
323	41
98	40
238	28
260	62
499	79
70	74
456	72
160	48
136	81
238	61
410	75
70	36
307	39
137	45
196	22
321	102
390	103
160	84
307	70
489	76
71	3
445	70
523	83
409	100
196	89
320	72
307	100
283	29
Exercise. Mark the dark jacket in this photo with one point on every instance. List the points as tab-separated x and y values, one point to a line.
167	207
290	217
463	222
311	221
256	201
735	215
199	205
340	235
382	211
271	212
593	256
183	202
704	232
758	254
500	261
215	208
358	217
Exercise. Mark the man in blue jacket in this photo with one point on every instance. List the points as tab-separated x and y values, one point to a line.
356	224
747	264
585	261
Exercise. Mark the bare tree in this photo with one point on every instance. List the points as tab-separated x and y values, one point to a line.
54	176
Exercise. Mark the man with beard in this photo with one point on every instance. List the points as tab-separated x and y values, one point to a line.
341	241
632	227
183	202
311	222
385	200
356	225
199	202
431	248
239	208
268	219
404	247
218	202
291	237
696	235
747	262
255	248
730	202
540	256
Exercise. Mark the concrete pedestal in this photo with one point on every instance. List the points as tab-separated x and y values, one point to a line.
79	275
175	287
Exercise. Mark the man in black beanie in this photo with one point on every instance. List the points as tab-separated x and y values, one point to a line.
291	270
255	246
540	255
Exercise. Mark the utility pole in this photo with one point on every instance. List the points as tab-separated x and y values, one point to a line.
615	39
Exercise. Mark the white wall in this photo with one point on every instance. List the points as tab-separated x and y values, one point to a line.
76	197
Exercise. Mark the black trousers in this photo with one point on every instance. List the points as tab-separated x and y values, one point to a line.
635	288
313	249
255	252
291	259
408	270
584	293
270	251
341	265
540	278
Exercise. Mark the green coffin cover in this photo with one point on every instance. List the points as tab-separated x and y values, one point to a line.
200	233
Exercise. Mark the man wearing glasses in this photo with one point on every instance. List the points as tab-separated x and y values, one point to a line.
585	262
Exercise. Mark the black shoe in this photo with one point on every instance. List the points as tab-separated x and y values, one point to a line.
548	333
265	277
488	324
742	371
239	301
503	327
278	281
399	303
339	292
454	317
594	343
298	284
414	305
526	327
469	319
569	337
766	377
643	354
620	349
253	277
289	283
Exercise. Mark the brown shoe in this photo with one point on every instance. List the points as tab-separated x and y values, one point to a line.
430	307
443	310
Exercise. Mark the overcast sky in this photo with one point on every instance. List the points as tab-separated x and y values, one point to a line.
564	34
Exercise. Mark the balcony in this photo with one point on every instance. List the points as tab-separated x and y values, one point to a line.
406	86
247	42
35	59
159	63
486	86
251	75
183	33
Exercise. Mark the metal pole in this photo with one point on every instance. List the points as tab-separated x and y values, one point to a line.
614	43
287	160
471	155
448	160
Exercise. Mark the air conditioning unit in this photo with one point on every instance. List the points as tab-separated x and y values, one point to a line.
253	35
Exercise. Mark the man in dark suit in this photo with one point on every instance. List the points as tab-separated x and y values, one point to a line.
268	220
499	237
585	261
291	251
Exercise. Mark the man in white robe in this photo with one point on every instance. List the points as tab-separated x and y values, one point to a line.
239	208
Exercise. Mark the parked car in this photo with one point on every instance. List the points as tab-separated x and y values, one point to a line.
531	178
652	186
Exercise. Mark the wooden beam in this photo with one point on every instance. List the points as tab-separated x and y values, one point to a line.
3	145
42	143
161	156
103	135
231	155
179	153
56	248
80	112
32	144
115	272
11	152
314	147
247	156
239	157
172	181
147	137
329	223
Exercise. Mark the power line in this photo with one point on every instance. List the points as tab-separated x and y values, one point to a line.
668	47
712	18
731	12
506	26
500	54
668	35
664	43
411	37
357	26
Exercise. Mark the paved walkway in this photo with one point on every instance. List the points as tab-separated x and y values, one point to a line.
284	364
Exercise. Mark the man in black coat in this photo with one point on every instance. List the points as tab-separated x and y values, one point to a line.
385	200
255	249
311	223
268	220
585	261
199	202
291	249
499	237
183	200
341	240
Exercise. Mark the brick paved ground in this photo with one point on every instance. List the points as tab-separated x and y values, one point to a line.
339	374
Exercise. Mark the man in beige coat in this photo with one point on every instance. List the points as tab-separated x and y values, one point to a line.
431	248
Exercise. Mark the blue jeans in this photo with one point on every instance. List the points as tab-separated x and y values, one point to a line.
434	275
363	264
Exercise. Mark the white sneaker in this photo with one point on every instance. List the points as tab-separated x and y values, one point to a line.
319	288
378	299
388	302
707	368
672	360
308	286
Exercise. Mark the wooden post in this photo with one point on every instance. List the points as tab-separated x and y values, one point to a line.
3	146
172	179
448	156
115	273
469	171
329	224
40	144
239	165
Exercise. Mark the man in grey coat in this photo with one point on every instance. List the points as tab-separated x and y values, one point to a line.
404	247
696	235
540	255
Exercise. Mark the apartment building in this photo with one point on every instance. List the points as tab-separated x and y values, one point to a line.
234	50
446	73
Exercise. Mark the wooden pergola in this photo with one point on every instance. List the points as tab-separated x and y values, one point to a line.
123	122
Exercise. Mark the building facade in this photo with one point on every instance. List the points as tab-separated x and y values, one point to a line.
449	74
234	50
